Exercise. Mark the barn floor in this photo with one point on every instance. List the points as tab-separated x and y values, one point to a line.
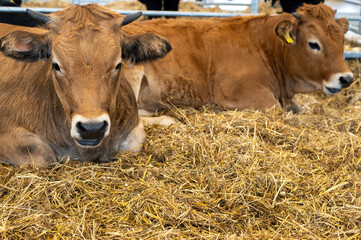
217	175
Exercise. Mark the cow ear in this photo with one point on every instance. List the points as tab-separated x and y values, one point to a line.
343	23
25	46
144	47
286	31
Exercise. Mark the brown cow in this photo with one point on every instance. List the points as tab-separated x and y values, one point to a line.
244	62
61	91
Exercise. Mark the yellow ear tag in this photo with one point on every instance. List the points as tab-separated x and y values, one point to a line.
288	38
12	1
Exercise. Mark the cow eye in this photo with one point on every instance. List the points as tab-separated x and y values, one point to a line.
56	67
118	67
314	46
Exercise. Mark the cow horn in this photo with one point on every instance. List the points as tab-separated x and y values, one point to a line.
297	16
37	16
130	18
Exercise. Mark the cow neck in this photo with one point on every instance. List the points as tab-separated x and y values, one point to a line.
277	55
123	111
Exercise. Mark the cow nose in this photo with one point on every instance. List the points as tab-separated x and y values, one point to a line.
346	80
92	130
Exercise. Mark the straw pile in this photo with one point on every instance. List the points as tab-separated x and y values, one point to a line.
216	175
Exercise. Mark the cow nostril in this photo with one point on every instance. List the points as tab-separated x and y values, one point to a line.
104	127
92	130
81	129
346	81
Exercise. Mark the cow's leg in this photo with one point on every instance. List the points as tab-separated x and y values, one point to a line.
22	147
135	140
136	78
171	5
247	97
149	102
262	101
154	5
134	75
251	87
162	120
149	119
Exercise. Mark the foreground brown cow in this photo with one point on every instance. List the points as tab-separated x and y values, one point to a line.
61	90
244	62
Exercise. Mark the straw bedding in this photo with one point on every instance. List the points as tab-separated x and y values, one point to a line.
217	174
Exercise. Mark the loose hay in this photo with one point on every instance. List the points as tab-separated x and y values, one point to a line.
47	4
219	175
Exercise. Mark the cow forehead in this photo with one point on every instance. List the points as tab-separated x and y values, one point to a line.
322	18
83	14
86	29
86	46
324	29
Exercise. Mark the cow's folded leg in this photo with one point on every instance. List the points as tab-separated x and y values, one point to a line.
149	119
162	120
22	147
257	99
145	113
135	140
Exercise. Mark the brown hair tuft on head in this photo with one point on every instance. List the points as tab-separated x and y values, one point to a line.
321	11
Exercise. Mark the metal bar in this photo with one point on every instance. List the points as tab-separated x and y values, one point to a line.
352	2
254	6
349	18
359	24
355	30
351	55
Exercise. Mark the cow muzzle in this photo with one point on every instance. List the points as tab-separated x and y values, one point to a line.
89	132
337	82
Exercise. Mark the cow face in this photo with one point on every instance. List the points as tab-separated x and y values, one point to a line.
85	66
315	50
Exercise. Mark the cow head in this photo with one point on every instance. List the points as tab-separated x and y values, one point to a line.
315	49
85	49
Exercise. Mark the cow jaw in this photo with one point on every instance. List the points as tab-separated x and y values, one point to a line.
89	132
336	82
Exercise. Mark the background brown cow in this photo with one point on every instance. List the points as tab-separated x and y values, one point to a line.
61	90
244	62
